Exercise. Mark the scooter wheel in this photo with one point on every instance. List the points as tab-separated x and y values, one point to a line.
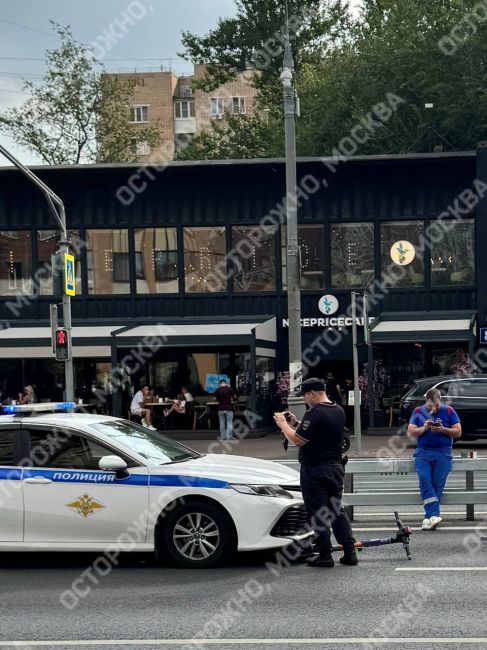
345	444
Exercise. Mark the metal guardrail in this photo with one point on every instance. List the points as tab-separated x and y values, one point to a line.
403	466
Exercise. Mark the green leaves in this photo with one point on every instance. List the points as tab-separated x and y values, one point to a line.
77	114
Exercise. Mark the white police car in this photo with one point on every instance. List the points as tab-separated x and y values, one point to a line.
79	482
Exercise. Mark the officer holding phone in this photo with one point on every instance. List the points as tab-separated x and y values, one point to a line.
319	437
434	426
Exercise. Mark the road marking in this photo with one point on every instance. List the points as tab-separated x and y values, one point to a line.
442	568
416	528
226	642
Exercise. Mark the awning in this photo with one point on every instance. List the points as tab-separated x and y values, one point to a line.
178	334
96	341
423	327
35	342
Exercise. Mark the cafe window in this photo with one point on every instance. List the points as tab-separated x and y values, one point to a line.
453	256
254	258
352	255
204	260
15	262
156	260
108	261
401	254
47	249
311	254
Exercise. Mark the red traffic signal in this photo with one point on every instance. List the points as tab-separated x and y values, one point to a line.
62	344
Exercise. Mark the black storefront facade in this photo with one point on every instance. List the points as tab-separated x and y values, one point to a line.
186	264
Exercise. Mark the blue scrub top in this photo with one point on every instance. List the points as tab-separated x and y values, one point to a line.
430	439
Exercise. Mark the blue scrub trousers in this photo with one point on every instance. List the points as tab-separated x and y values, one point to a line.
432	467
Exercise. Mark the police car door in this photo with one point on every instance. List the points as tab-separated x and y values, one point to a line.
68	499
11	504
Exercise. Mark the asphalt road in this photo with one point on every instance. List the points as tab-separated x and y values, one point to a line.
254	604
141	601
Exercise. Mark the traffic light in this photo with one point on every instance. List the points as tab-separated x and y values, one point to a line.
63	347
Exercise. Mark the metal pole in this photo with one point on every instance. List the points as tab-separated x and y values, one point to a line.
370	365
57	208
292	252
356	393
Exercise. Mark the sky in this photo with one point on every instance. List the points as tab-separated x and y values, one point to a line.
153	40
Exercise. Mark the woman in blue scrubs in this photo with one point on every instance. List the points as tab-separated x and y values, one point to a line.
434	426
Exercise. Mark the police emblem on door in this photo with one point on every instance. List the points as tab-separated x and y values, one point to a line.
85	506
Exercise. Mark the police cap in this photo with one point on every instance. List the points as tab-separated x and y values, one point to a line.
311	384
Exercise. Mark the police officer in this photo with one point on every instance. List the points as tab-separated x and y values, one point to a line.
319	438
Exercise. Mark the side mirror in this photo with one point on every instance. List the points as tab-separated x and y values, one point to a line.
114	464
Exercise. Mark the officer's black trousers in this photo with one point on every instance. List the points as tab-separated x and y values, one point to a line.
322	487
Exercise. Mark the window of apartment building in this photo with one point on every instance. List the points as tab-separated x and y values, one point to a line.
204	259
312	256
107	255
156	260
401	247
15	262
352	255
217	105
238	104
140	148
183	109
453	257
139	114
254	258
47	247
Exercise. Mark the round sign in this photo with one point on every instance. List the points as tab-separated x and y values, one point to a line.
328	304
402	253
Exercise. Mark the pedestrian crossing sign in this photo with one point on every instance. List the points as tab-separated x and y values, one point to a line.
69	281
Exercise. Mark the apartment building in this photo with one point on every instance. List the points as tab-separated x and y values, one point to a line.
169	103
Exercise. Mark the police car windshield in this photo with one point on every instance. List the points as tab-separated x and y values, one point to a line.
156	448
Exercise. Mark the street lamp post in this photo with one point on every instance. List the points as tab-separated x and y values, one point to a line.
57	208
292	248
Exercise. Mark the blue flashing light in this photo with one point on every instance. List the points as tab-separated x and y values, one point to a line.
9	409
65	406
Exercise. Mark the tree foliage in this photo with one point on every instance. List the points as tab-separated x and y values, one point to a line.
392	46
78	113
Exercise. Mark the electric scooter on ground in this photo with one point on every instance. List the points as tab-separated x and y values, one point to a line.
401	537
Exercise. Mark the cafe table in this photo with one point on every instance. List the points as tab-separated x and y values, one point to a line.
164	405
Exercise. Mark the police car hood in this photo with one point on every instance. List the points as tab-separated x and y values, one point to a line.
232	469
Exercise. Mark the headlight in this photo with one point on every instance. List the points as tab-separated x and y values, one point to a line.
262	490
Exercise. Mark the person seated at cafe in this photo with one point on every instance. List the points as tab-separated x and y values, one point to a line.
179	404
27	396
187	395
137	407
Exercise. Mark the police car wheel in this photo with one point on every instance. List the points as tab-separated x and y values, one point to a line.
345	444
197	535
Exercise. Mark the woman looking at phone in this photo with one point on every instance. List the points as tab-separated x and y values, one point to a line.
434	426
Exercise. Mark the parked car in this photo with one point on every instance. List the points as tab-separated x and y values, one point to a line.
79	482
466	394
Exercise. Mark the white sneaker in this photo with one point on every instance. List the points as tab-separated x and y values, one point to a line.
426	525
434	521
152	428
144	422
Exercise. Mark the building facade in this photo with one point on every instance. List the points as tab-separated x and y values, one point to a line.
178	287
171	105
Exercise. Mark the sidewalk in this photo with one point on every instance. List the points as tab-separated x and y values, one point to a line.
270	447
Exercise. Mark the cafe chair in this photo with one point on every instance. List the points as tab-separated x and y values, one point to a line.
201	411
391	405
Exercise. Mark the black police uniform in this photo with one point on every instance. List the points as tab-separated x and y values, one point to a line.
322	474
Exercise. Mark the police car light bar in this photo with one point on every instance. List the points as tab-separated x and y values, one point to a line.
37	408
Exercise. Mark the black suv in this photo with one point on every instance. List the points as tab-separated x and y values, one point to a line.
466	393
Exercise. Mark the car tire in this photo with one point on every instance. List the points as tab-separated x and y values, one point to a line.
192	530
345	444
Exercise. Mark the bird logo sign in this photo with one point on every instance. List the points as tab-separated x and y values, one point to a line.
328	305
402	253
